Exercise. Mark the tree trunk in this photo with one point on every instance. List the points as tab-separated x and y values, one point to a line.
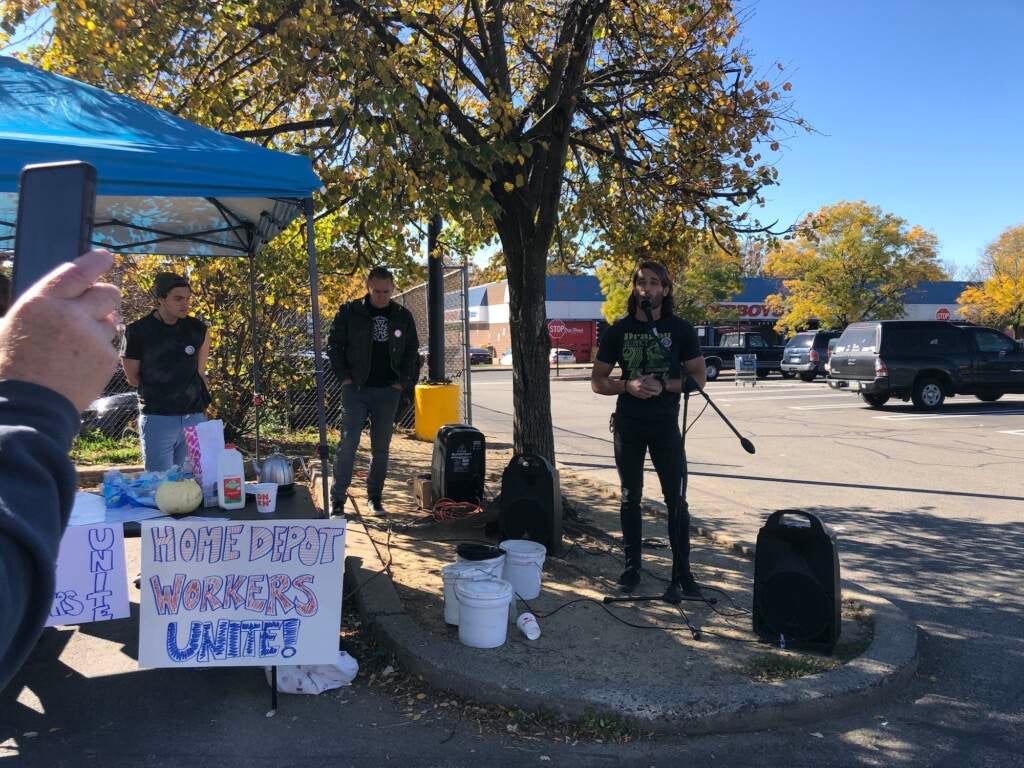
526	262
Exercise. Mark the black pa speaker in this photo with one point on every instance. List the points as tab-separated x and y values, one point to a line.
531	502
459	463
797	595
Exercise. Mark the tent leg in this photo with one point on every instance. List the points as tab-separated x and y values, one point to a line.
314	297
257	399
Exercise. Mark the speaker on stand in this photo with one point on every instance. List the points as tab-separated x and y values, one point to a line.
531	502
797	593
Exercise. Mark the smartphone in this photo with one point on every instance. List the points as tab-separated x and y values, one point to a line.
56	208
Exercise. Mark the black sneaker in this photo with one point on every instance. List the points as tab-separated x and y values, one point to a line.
630	579
337	508
376	507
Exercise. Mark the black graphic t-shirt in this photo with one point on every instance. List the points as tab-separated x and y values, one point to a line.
169	380
633	346
382	374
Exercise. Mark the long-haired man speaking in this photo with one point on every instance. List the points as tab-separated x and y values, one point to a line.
659	356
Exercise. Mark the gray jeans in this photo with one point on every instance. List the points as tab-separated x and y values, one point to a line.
163	442
380	404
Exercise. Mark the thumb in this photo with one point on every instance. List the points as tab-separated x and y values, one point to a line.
72	279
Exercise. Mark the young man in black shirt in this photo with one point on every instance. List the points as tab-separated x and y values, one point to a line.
659	357
374	349
164	354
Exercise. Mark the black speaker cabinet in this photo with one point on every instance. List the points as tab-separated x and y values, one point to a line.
459	463
531	502
797	595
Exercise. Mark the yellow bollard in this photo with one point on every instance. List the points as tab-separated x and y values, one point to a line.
436	405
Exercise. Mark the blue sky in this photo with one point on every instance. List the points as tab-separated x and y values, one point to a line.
919	105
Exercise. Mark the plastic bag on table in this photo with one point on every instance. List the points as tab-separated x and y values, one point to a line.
115	489
141	490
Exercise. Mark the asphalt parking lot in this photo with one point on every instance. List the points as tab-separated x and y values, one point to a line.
815	447
927	508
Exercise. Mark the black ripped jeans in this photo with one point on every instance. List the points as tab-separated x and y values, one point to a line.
633	439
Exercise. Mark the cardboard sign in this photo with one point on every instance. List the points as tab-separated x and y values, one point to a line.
92	584
240	593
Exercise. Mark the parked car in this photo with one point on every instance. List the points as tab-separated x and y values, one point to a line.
806	353
506	358
926	362
480	356
722	355
559	355
828	354
114	416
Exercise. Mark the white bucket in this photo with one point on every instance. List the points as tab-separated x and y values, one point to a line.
450	574
483	612
493	566
524	564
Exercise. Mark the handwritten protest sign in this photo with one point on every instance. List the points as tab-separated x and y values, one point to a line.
240	593
91	581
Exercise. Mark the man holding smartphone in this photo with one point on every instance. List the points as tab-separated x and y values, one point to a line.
42	391
164	354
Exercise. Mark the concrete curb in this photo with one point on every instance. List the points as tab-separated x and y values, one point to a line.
868	680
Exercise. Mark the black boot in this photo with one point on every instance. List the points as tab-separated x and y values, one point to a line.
632	531
630	578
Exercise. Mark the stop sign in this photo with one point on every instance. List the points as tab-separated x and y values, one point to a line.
556	329
942	314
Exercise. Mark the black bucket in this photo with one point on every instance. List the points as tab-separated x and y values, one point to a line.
475	552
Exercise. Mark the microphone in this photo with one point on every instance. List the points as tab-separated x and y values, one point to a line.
645	305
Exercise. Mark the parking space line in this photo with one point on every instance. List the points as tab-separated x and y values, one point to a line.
762	387
726	398
825	407
972	415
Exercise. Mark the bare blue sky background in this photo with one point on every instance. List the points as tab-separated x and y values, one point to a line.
919	105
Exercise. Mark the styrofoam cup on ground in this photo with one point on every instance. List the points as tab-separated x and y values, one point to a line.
266	498
528	625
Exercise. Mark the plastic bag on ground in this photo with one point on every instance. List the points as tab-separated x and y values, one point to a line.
315	678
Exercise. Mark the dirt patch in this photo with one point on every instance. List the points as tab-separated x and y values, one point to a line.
642	643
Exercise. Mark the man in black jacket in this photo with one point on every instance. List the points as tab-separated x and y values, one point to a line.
374	351
43	388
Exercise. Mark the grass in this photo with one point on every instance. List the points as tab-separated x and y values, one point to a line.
93	448
777	665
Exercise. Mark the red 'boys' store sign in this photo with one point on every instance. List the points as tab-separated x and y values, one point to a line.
748	310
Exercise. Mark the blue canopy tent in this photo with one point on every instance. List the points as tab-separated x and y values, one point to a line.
164	185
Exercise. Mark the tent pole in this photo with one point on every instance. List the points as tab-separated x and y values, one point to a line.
257	400
314	298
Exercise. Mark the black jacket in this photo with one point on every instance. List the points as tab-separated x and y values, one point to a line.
350	343
37	489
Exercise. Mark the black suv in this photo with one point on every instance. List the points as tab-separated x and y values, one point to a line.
806	354
926	361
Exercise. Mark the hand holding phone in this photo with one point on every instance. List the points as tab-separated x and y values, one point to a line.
58	334
56	207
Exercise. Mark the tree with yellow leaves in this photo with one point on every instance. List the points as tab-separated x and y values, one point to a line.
999	299
704	274
531	121
850	261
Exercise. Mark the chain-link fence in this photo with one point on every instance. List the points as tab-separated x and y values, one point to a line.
292	406
301	405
